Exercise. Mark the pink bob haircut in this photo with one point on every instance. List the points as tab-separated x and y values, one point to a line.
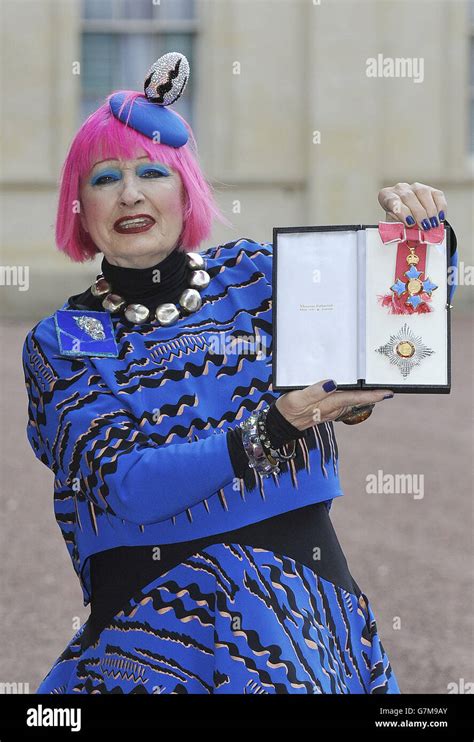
101	137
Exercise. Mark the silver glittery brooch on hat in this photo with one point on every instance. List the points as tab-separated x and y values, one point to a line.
166	79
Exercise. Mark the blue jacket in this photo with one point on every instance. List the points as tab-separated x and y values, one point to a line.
136	439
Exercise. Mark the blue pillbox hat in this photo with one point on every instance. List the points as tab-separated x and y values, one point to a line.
164	84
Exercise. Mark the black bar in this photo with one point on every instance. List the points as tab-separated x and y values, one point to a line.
134	713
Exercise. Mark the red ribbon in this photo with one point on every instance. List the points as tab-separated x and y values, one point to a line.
408	237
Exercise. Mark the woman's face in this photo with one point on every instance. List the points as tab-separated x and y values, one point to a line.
114	189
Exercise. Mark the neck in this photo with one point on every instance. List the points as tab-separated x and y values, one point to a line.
162	282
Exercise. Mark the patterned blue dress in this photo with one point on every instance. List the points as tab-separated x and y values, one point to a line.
239	599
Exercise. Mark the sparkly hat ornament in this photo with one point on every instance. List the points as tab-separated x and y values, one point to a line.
164	84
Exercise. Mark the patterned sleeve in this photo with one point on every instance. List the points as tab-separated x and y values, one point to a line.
90	440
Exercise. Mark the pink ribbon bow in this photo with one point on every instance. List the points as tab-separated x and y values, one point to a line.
396	231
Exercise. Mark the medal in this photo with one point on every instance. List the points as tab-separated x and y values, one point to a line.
405	350
415	289
412	289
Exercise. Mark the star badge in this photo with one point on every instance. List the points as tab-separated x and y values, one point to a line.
405	350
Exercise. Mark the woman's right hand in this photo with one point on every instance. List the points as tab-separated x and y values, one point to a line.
315	404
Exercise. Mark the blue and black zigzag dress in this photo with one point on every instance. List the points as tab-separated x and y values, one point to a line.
202	576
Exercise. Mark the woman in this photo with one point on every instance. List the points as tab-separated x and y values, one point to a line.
194	502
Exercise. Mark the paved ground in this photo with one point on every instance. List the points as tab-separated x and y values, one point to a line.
412	557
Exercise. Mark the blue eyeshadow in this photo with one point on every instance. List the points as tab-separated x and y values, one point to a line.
153	166
110	173
117	174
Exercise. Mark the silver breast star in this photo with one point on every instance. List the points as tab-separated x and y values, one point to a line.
405	350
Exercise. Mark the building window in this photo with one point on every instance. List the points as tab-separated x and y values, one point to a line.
122	38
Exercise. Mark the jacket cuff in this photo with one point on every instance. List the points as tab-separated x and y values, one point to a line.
280	431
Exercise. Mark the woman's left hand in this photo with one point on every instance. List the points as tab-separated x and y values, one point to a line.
417	202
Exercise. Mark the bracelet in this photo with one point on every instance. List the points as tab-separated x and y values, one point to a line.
254	449
262	457
265	441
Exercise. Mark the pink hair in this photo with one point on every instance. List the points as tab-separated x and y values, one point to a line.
102	136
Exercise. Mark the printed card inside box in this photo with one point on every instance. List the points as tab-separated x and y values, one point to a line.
328	316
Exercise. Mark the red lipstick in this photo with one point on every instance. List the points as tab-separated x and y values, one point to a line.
134	224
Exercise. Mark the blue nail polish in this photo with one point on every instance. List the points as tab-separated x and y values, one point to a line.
329	386
410	220
388	396
441	216
426	224
434	221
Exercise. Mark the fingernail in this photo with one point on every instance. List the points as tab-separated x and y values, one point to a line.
434	221
388	396
410	220
441	216
426	225
329	386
